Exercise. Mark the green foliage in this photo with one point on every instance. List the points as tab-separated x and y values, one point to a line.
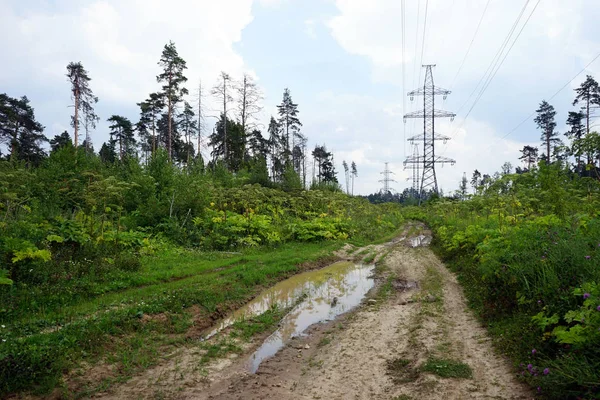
526	249
447	368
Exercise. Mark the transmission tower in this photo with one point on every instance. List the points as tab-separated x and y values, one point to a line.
416	167
386	180
429	114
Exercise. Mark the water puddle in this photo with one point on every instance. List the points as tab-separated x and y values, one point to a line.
419	241
323	294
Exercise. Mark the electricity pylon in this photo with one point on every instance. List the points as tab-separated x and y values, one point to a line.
416	167
386	180
429	114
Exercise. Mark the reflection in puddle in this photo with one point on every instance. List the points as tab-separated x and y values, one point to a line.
420	240
329	292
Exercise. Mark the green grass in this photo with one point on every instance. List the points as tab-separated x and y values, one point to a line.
247	328
43	344
446	368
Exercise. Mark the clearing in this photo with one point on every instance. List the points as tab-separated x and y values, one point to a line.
412	337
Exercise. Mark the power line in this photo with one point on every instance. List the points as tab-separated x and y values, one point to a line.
403	22
503	59
553	96
424	32
497	56
470	44
497	62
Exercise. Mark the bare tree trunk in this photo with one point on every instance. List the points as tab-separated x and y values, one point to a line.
199	117
76	122
169	114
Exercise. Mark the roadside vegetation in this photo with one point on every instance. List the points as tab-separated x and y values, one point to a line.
526	248
96	255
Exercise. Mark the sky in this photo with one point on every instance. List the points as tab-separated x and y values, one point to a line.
347	63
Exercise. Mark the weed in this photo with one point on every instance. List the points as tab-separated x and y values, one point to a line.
446	368
402	370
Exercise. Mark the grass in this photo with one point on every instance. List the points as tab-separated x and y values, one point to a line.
247	328
402	370
446	368
49	340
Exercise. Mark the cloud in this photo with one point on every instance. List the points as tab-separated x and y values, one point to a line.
119	43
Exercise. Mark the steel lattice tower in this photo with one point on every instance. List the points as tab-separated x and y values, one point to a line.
386	180
429	114
416	167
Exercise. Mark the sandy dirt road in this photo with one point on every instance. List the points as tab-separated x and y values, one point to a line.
416	315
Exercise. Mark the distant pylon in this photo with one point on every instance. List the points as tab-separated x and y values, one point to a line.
428	137
386	180
415	170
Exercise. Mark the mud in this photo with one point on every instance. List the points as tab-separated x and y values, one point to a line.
423	315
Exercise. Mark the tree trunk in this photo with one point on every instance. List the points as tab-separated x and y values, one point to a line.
169	113
548	148
76	122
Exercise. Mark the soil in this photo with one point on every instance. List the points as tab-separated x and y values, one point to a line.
416	312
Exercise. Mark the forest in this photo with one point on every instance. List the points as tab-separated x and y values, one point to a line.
94	244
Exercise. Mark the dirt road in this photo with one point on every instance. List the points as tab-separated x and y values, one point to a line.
413	337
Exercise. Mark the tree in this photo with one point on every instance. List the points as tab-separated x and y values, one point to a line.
462	189
275	149
227	147
60	141
324	160
150	110
221	93
546	123
187	125
529	155
83	97
575	134
476	180
347	175
289	122
107	153
506	168
121	132
249	98
173	90
20	130
354	173
588	93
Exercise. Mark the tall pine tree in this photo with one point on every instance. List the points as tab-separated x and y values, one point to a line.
121	133
20	130
588	93
547	124
289	122
83	99
172	79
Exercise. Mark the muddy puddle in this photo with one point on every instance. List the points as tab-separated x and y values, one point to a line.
327	293
317	296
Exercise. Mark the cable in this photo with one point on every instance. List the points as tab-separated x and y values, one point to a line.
496	57
424	31
470	45
502	62
551	97
403	22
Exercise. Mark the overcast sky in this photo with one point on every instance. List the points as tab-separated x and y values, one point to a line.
341	59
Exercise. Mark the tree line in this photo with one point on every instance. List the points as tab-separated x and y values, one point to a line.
169	122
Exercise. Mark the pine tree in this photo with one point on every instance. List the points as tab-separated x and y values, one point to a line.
249	99
347	175
354	173
289	122
529	155
546	123
476	180
150	111
107	153
588	93
275	149
188	126
221	93
173	79
121	132
463	186
60	141
228	149
84	99
20	130
575	134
